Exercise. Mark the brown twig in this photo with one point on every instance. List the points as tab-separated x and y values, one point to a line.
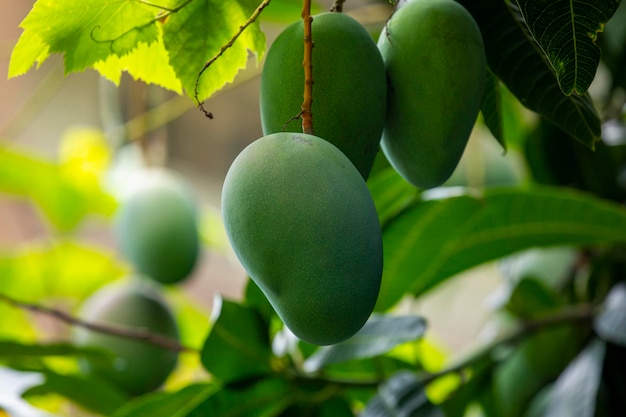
307	63
223	49
337	6
139	334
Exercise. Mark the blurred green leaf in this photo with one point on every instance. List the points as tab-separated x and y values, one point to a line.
566	32
574	392
10	348
435	239
537	361
531	298
167	404
491	108
514	57
401	395
610	324
89	393
391	193
238	345
265	398
64	268
378	336
61	193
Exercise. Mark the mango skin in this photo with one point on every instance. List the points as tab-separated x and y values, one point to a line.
435	61
138	367
156	227
349	86
303	224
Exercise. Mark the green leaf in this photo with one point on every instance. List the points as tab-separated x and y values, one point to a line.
401	395
197	33
610	324
61	269
11	348
491	108
238	345
574	393
532	298
566	32
59	190
170	404
515	58
89	393
265	398
148	63
84	32
378	336
435	239
391	193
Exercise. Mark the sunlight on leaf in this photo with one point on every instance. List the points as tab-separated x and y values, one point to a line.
85	32
196	33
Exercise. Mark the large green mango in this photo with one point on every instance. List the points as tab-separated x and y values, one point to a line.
157	228
303	224
349	89
435	61
137	367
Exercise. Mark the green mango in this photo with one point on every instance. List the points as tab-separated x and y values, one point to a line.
435	61
157	227
303	224
137	367
349	90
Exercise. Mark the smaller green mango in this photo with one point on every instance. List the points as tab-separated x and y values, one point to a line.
303	224
349	86
435	61
156	227
137	367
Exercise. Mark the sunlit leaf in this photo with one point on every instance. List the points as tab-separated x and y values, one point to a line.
433	240
148	63
85	32
567	31
197	32
65	193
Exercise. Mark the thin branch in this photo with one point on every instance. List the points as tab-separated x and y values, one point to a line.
583	313
307	63
338	6
139	334
223	49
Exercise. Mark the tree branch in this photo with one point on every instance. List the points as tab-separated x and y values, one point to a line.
139	334
307	63
338	6
223	49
